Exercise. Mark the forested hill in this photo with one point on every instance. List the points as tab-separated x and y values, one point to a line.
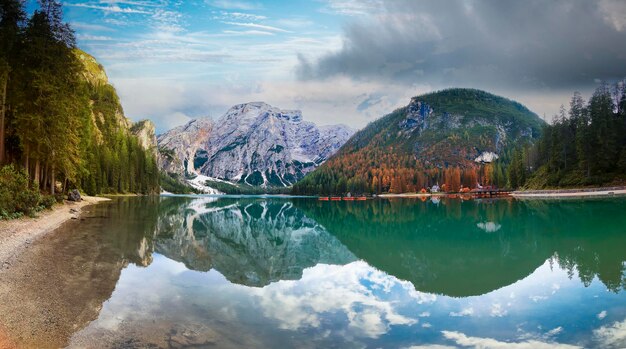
454	137
584	146
60	119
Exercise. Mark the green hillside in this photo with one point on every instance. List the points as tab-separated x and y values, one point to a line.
435	139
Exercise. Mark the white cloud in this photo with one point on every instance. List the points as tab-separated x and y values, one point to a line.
167	20
353	7
497	311
225	15
602	315
257	26
325	102
301	304
295	22
490	343
112	8
613	336
554	331
235	5
465	312
161	101
247	32
89	26
87	37
146	3
614	12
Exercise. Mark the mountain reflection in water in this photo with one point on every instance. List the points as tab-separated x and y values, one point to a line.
261	272
451	248
250	242
454	248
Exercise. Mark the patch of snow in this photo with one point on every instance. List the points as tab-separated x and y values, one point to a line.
199	183
487	157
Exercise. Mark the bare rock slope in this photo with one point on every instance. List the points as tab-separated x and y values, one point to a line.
253	143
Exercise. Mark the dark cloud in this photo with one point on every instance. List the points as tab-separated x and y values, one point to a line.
493	44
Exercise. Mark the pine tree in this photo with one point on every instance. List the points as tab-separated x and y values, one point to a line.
603	130
11	18
50	102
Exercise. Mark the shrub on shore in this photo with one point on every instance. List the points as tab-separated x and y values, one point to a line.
18	196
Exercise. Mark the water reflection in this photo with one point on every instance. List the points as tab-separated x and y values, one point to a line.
443	248
453	247
184	272
58	285
250	242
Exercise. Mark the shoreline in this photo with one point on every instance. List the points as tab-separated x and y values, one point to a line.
17	234
581	192
410	195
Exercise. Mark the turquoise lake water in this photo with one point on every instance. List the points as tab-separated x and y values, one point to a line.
295	272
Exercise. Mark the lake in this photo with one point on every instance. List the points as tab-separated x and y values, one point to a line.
195	272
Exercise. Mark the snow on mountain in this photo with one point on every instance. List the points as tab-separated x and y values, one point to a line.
252	143
199	183
487	157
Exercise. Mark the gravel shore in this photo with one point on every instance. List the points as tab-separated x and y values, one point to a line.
17	234
26	290
583	192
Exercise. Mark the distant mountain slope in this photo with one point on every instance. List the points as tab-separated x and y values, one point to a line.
412	147
178	145
253	144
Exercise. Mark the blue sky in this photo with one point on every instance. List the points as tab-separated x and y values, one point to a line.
345	61
175	60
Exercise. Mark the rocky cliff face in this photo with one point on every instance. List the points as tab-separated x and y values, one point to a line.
178	146
94	72
253	143
96	76
144	130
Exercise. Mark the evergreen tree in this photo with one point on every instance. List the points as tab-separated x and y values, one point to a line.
61	125
586	146
51	100
12	17
603	130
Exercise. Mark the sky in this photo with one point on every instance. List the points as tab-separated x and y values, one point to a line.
346	61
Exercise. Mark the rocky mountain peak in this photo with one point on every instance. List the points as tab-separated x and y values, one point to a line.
259	110
252	144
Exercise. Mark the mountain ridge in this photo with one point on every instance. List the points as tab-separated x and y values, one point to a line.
252	144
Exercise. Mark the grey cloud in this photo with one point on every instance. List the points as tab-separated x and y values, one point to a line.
493	44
